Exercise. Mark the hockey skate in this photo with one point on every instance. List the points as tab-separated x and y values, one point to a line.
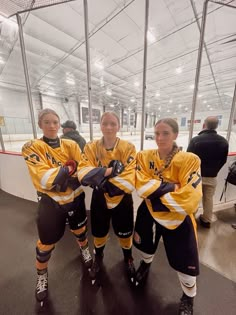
86	256
186	305
96	266
142	273
41	291
130	269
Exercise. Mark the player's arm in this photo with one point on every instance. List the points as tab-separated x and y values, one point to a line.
146	185
186	199
124	181
88	173
42	174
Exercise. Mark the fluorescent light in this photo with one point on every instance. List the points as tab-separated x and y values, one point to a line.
179	70
70	81
151	38
101	81
98	65
109	92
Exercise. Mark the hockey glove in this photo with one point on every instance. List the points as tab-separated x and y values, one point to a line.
117	167
73	166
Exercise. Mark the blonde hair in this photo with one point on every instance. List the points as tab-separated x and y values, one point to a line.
111	113
44	112
175	149
100	151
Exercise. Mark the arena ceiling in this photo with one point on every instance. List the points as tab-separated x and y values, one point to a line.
56	53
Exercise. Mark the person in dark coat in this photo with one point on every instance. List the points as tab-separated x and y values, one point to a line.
70	132
212	149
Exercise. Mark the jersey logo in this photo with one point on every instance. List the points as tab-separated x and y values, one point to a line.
52	159
151	165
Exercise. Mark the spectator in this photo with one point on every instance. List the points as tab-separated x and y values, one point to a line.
70	132
212	150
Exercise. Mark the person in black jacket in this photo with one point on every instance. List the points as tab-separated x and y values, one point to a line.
70	132
213	151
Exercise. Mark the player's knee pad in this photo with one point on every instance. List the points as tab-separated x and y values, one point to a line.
126	243
80	234
100	241
43	252
188	284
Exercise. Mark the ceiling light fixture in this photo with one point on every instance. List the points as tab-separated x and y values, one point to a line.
70	81
98	65
151	38
179	70
101	82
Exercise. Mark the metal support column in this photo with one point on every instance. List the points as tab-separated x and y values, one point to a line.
88	68
198	69
1	141
27	81
144	72
79	111
231	117
40	100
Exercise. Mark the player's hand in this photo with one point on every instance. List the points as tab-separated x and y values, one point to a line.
72	166
117	167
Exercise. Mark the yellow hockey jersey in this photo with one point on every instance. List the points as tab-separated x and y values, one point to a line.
95	160
169	207
45	165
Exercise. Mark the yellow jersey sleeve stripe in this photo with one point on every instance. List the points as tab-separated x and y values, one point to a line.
124	183
46	177
75	193
171	203
141	191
